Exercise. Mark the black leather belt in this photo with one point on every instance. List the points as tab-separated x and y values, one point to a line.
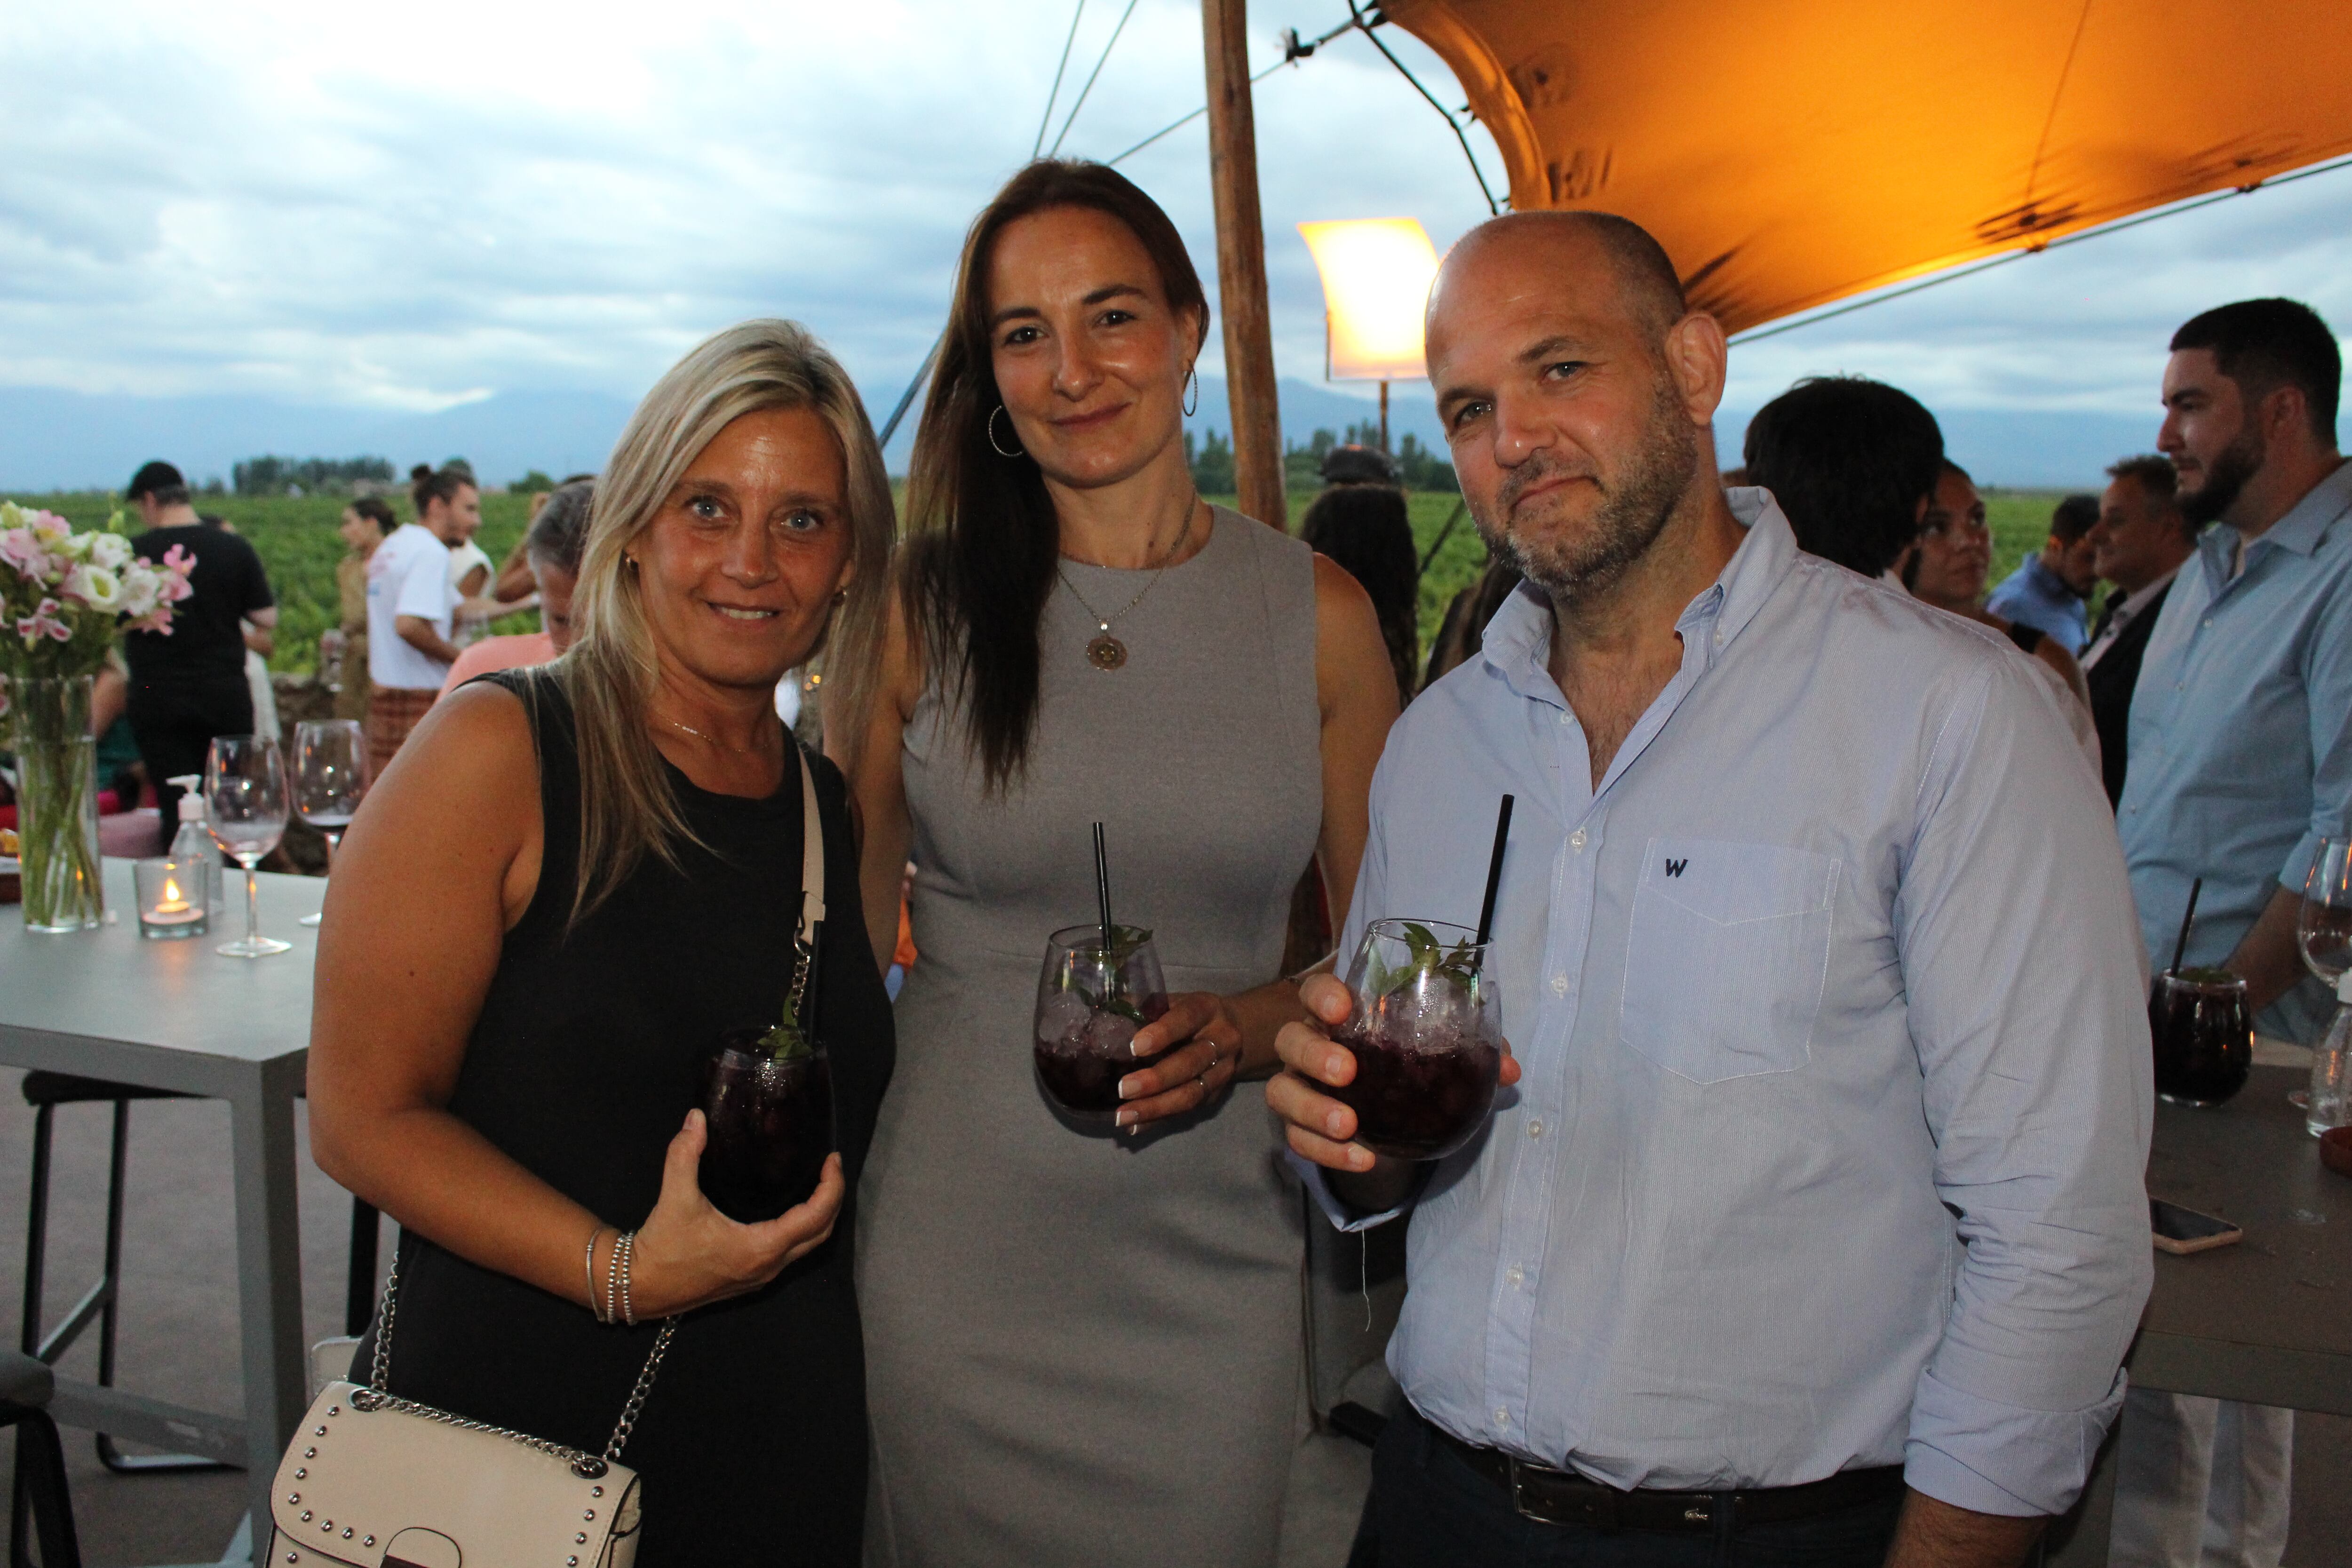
1563	1497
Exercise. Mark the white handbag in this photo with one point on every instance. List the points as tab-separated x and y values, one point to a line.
373	1481
380	1482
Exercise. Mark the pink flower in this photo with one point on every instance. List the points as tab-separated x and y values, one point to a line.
46	622
49	527
20	549
159	623
179	564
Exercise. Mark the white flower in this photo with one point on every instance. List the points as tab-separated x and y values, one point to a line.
95	587
110	550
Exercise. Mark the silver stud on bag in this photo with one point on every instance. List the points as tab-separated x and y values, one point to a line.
369	1540
310	1453
581	1538
595	1491
293	1497
300	1475
305	1515
589	1514
321	1431
347	1533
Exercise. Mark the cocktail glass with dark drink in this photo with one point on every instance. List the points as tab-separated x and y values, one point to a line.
2204	1032
767	1103
1092	998
1426	1033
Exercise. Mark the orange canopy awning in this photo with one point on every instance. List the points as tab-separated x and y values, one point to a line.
1790	153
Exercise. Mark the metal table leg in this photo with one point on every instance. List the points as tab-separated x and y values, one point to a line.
268	1270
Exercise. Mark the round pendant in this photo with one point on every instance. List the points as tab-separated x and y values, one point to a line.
1106	652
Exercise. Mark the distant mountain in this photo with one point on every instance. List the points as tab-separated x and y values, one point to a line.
66	440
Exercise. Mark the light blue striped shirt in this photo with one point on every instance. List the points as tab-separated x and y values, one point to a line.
2241	736
1829	1149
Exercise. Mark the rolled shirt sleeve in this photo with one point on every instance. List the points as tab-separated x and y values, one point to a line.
2026	979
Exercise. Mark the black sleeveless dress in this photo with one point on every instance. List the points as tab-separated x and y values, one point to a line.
582	1065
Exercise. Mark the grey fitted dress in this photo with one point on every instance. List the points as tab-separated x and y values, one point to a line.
1083	1347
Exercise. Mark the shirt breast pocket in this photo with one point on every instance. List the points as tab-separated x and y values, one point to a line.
1726	956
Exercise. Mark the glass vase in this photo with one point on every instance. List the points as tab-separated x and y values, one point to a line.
56	802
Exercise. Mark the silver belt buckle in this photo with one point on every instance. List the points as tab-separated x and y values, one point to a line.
1604	1513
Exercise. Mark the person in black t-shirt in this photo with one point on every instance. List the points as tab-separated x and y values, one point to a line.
188	685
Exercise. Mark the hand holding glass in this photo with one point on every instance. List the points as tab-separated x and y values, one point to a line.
329	779
245	790
1091	1000
1426	1032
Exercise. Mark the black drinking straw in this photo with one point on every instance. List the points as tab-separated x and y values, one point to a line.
1495	871
1102	886
2180	948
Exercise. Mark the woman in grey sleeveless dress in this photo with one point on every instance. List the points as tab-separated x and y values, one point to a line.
1082	1346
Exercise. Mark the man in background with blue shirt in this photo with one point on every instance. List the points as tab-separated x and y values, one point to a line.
2240	763
1809	1218
2051	591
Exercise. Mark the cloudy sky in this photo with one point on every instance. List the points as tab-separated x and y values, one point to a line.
411	208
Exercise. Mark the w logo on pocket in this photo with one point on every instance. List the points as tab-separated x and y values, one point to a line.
1675	867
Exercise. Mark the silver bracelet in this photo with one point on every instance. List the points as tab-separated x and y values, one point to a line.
628	1255
612	1277
588	1263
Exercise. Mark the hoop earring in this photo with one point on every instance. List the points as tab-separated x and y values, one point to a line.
1192	386
1001	452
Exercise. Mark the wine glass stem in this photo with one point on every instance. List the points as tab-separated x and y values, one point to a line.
332	840
252	900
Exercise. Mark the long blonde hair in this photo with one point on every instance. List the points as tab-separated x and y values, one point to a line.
627	809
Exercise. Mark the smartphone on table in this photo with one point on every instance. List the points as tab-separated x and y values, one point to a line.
2184	1230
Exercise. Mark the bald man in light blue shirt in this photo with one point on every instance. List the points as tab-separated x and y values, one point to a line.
1814	1190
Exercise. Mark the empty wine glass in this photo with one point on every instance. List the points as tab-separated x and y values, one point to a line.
2323	927
330	778
244	787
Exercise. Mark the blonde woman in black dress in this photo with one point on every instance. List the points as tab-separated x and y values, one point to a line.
570	884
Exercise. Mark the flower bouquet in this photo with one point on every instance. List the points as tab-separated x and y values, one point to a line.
63	596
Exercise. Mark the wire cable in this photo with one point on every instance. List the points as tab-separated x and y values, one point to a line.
2135	221
1083	91
1443	114
1047	117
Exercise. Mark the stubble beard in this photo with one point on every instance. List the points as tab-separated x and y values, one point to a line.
2225	479
1633	511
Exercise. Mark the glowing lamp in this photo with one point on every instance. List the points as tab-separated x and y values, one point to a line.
1376	274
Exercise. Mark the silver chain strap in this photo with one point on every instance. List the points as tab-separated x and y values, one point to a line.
377	1397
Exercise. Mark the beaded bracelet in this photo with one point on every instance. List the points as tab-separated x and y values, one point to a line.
628	1257
612	1277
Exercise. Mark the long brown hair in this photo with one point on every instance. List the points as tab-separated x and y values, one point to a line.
983	534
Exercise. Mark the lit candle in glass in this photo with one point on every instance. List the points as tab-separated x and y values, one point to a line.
171	899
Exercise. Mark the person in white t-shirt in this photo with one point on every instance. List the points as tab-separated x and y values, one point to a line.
411	609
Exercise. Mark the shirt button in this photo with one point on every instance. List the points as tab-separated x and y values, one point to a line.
1516	1275
1535	1128
1560	984
1576	839
1566	720
1502	1417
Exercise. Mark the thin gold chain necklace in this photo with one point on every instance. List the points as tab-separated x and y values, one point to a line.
713	740
1106	652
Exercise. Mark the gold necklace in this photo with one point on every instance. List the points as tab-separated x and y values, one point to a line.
713	740
1106	652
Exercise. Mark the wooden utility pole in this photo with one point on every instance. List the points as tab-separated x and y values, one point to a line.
1241	264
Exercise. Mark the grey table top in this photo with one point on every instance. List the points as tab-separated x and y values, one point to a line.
2268	1318
111	984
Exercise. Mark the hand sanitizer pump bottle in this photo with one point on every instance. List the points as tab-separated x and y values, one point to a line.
195	841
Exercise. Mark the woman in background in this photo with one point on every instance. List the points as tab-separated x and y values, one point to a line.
1086	1349
1365	528
364	524
552	544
